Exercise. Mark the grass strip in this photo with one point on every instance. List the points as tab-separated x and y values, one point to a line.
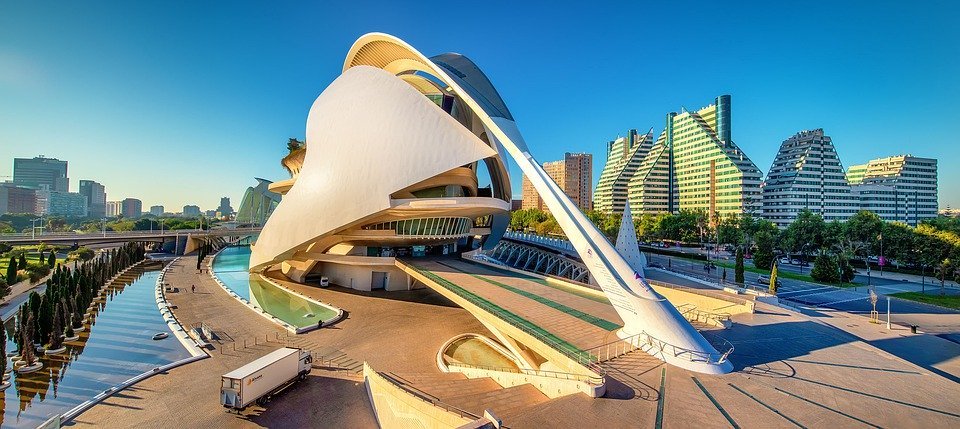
948	301
591	319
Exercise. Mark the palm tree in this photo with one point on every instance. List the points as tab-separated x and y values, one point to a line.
943	269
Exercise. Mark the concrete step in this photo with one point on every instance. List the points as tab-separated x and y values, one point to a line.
684	402
456	388
503	402
426	377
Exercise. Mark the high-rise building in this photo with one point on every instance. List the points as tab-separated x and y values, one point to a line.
624	156
807	174
695	165
190	210
96	196
573	174
225	209
67	204
114	208
131	208
41	173
156	210
900	188
17	199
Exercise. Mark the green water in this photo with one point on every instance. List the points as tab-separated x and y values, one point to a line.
474	351
230	266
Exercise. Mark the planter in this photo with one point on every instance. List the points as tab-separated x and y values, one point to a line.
32	368
4	385
6	376
73	338
79	329
55	351
12	354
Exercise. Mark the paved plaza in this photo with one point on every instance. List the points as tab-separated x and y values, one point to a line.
813	369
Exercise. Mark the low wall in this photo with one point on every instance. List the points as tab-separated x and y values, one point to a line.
395	407
553	386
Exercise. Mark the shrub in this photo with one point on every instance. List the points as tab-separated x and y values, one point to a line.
825	269
35	272
738	269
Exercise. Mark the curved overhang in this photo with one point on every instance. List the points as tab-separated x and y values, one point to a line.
644	312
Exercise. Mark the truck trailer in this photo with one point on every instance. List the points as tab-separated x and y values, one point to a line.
264	377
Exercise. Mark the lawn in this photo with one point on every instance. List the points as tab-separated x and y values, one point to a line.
949	301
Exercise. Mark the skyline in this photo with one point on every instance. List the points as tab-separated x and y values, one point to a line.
234	84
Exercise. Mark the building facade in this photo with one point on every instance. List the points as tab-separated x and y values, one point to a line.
807	174
41	173
156	210
96	196
624	156
900	188
225	209
695	165
114	208
574	175
191	210
17	199
131	208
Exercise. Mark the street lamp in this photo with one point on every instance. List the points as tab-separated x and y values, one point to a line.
103	224
33	227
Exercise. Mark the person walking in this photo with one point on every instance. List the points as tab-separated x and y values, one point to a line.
193	288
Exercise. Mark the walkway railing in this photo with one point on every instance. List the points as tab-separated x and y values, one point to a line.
688	310
652	345
533	372
558	243
566	349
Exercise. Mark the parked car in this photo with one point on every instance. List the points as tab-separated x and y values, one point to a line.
655	265
324	282
765	280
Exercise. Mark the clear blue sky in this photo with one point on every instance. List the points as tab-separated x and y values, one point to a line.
183	102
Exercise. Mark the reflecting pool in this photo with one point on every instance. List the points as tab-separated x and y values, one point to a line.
116	346
230	266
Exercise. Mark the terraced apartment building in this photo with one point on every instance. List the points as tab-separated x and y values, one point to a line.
624	156
900	188
807	174
694	164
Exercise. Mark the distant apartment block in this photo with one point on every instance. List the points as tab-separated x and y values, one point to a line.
41	173
96	196
114	208
624	156
131	208
66	204
694	164
191	210
573	174
807	174
17	199
156	210
900	188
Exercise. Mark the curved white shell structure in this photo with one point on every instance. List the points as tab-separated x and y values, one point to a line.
373	133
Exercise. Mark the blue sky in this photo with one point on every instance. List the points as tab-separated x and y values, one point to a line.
183	102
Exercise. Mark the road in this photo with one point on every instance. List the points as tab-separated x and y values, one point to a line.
930	318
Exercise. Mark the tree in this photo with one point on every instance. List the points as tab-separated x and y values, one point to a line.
3	350
56	329
26	349
294	144
45	319
52	260
943	270
724	277
825	269
763	256
773	280
12	271
805	233
738	269
22	264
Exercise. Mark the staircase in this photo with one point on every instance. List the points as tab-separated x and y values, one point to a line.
325	357
473	395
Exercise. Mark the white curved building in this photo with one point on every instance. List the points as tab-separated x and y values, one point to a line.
392	153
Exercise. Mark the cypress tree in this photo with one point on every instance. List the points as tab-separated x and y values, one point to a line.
3	350
738	269
45	321
12	271
23	262
40	258
56	329
26	351
52	260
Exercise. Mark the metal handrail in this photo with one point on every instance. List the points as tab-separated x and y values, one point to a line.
424	396
637	342
582	357
529	371
686	309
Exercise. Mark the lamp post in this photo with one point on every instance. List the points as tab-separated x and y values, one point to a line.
33	227
880	260
103	226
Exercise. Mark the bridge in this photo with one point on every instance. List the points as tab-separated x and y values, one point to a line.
543	255
191	239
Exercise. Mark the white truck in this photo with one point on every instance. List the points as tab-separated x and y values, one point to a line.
264	377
